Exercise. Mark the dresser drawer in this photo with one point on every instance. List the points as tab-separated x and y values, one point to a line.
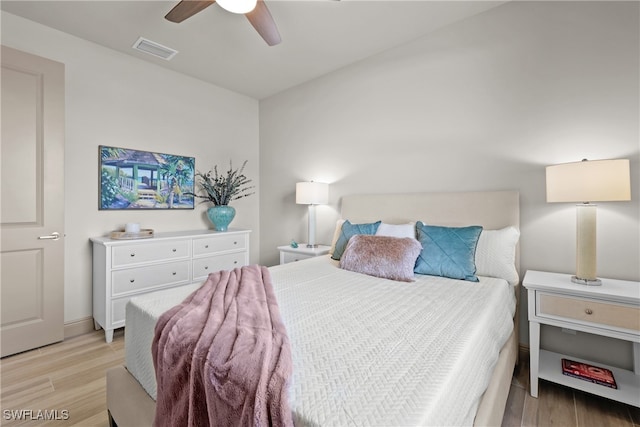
203	266
219	243
119	306
587	310
149	252
124	268
136	279
292	257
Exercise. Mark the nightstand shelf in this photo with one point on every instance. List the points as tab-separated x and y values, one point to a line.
628	383
289	254
611	310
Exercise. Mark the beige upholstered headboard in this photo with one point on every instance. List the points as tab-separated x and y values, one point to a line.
491	209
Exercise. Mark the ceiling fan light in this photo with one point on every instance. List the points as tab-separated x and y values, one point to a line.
238	6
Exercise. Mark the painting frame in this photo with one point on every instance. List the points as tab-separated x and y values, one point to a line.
131	179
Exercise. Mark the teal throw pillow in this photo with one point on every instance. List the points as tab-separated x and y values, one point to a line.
448	251
349	230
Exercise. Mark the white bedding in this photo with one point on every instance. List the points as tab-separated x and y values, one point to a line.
369	351
142	314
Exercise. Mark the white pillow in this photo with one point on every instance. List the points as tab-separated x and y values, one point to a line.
496	254
336	235
397	230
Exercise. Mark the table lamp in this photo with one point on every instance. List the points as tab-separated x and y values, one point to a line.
588	181
312	194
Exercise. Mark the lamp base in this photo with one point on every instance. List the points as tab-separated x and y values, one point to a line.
586	282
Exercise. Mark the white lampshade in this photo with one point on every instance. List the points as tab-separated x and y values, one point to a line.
238	6
312	193
589	181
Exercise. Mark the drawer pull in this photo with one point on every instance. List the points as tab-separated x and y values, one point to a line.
588	311
133	254
206	267
173	250
235	243
206	246
174	273
235	262
132	280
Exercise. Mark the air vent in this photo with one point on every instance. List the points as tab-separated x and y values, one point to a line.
155	49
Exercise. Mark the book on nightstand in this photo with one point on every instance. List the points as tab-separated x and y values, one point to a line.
588	372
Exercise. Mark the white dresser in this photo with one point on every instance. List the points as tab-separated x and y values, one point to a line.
126	268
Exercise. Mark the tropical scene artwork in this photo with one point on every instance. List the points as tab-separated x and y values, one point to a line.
133	179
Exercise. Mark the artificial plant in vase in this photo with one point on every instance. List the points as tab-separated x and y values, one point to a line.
221	189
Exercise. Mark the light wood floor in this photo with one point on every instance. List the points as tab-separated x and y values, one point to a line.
70	376
557	405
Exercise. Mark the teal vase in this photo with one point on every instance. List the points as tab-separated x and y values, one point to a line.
221	216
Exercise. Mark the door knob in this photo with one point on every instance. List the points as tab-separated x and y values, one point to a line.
53	236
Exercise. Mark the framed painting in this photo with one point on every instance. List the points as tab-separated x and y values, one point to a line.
134	179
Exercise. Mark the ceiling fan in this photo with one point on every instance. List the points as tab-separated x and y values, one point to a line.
259	16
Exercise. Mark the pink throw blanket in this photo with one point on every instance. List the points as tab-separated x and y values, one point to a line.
222	357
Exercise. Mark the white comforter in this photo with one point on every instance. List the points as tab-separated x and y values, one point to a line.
369	351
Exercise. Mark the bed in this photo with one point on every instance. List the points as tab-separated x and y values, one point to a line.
363	347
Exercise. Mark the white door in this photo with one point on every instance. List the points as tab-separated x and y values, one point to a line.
31	202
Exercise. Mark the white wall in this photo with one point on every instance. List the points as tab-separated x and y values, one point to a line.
484	104
117	100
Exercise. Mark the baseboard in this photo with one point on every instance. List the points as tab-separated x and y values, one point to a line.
78	327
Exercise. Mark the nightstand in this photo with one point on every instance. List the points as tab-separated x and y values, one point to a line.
611	310
289	254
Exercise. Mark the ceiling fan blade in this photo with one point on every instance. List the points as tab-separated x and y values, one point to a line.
185	9
263	22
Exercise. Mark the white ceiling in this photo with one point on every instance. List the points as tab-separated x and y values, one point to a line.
318	36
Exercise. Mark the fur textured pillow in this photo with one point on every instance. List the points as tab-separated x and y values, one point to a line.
381	256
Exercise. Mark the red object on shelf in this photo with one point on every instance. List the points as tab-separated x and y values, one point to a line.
588	372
